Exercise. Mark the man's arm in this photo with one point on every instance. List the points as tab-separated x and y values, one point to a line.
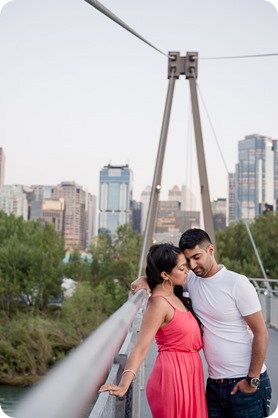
260	342
259	346
140	283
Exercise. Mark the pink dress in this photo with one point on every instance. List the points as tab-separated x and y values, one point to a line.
175	388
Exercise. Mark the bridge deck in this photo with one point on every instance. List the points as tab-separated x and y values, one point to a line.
271	362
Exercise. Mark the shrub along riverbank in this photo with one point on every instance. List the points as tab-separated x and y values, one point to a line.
31	345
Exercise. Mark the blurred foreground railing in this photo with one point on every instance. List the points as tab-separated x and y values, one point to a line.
72	385
108	406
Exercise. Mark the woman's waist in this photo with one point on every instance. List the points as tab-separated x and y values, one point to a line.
179	350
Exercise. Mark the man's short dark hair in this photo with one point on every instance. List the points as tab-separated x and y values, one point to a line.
193	237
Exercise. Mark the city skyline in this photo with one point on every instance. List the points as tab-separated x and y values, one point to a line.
253	190
166	196
79	92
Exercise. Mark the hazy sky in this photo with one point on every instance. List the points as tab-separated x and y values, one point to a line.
77	91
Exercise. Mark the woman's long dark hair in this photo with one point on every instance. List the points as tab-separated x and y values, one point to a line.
164	257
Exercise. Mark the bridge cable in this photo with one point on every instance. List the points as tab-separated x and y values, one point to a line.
117	20
238	202
189	152
239	56
120	22
99	6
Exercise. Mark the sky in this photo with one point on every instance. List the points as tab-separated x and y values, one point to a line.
78	91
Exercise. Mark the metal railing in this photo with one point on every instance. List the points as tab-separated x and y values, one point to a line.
267	291
72	385
108	406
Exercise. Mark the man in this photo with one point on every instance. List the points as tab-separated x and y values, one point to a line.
235	336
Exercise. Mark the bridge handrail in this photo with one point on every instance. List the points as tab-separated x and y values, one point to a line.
68	389
268	297
129	406
71	386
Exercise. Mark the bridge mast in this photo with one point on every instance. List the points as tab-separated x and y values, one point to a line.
177	66
191	64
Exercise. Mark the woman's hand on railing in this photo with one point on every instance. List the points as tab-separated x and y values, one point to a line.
114	390
140	283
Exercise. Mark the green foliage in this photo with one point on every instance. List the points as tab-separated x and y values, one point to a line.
29	346
236	252
265	231
115	265
30	263
82	312
26	348
34	337
76	268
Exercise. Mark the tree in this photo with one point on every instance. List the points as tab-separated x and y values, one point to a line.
235	249
115	265
46	268
76	268
30	262
264	231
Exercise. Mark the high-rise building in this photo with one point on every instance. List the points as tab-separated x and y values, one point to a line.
174	194
184	196
53	212
136	210
188	199
145	201
91	218
219	210
115	197
171	221
14	200
39	193
256	176
2	167
231	204
75	217
174	215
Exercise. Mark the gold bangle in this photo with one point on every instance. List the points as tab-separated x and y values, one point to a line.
131	371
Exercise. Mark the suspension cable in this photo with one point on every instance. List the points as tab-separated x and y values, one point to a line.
189	151
99	6
239	56
238	202
120	22
117	20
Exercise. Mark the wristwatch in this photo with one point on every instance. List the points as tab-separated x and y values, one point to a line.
254	382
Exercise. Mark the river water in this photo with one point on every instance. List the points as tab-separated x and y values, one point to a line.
9	397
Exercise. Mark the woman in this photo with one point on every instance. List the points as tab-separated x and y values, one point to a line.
175	388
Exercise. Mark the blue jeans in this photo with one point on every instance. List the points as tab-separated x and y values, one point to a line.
221	404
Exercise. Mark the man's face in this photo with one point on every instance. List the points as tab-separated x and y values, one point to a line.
200	260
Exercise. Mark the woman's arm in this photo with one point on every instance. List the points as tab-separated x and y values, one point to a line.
153	319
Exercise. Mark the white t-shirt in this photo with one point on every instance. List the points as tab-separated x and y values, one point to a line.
221	301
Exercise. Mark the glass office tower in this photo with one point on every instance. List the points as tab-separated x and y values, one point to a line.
256	176
115	196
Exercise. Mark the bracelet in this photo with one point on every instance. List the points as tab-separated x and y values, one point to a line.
131	371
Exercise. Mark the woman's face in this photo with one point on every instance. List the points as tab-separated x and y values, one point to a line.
179	273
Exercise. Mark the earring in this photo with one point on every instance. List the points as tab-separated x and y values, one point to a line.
169	280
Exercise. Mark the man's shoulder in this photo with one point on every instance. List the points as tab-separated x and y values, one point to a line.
235	275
